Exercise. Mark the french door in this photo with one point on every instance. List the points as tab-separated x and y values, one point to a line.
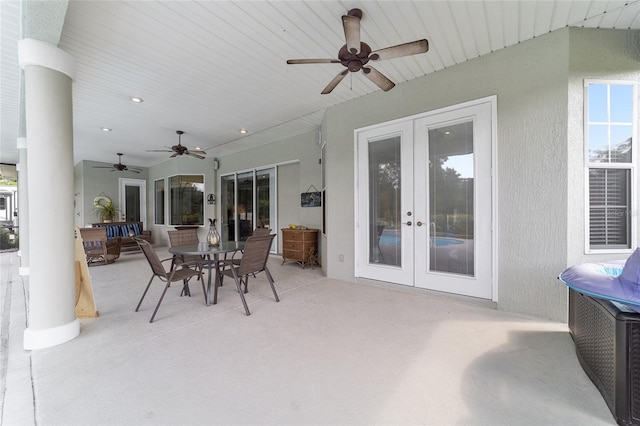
133	200
425	201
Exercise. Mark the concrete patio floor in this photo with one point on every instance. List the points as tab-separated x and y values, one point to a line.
330	353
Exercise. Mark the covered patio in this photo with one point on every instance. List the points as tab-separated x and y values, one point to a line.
331	352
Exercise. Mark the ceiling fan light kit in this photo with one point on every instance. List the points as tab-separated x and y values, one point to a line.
355	54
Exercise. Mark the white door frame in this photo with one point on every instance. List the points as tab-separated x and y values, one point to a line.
478	281
358	244
404	272
142	185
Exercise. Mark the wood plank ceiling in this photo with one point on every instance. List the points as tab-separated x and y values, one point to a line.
211	68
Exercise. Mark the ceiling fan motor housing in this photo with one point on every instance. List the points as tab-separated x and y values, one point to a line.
354	61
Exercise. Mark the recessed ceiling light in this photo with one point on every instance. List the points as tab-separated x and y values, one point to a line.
137	99
105	129
447	132
244	131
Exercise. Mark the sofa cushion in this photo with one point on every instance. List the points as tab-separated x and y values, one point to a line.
122	229
630	275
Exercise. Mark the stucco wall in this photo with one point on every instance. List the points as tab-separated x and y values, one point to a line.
302	150
530	81
539	170
293	179
91	182
183	165
603	54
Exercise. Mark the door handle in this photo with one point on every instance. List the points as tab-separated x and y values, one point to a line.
408	223
418	223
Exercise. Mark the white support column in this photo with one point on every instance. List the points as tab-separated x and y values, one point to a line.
23	208
48	75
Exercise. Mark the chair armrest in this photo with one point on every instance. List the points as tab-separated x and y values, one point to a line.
190	263
225	262
112	242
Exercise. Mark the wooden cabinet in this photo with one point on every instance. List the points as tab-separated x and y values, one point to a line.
300	246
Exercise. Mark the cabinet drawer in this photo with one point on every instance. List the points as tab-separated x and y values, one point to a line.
292	245
293	236
310	237
292	254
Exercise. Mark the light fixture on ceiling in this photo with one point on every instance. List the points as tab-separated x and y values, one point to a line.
105	129
136	99
244	131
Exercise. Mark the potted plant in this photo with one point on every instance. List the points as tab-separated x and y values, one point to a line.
104	209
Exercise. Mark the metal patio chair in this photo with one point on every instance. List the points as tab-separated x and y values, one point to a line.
253	261
184	237
181	272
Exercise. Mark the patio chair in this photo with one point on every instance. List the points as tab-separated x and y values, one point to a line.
184	237
181	272
97	248
261	231
253	261
236	260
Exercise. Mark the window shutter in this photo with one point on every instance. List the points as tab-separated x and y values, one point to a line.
608	208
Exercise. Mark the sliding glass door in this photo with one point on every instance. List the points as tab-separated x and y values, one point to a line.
248	202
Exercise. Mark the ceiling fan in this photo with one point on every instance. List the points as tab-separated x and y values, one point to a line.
355	55
118	167
180	149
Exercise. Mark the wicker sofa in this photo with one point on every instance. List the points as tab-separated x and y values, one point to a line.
126	231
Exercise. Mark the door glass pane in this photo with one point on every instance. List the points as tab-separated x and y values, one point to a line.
245	205
159	201
451	216
265	189
132	203
186	199
384	202
227	208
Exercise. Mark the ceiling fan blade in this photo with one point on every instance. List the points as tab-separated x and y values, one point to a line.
351	26
195	155
378	78
406	49
159	150
312	61
174	154
336	80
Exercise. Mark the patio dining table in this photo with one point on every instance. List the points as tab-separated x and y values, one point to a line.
207	251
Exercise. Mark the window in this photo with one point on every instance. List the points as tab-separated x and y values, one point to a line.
158	187
186	200
610	111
